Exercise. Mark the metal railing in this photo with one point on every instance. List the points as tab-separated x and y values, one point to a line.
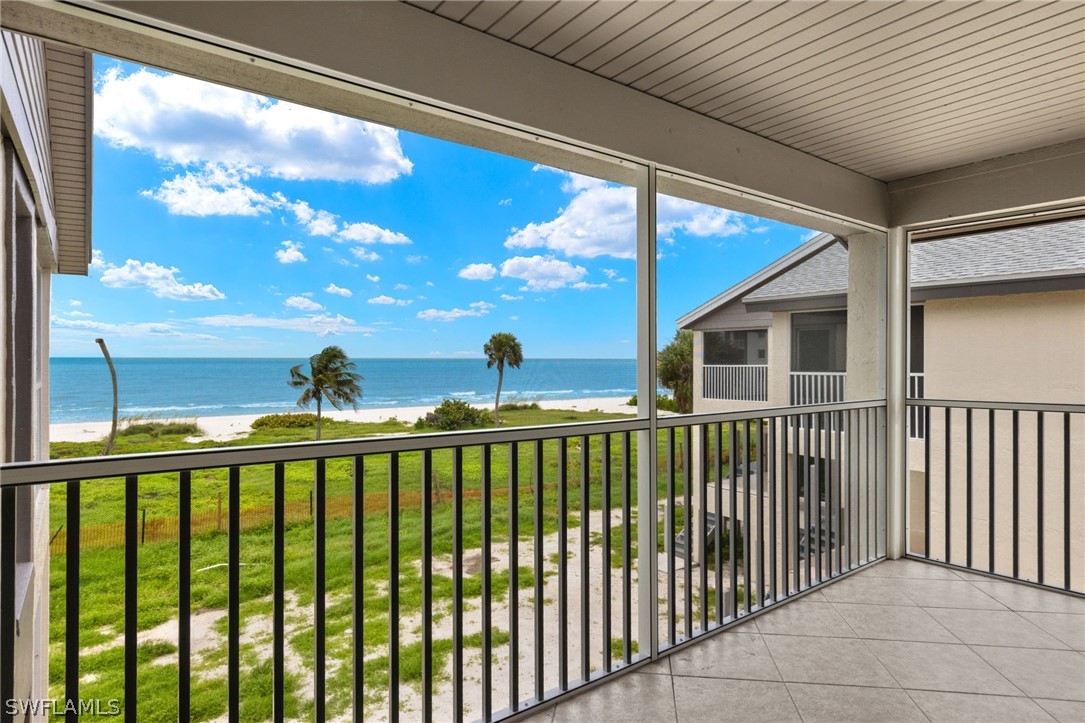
738	382
816	387
400	594
916	418
772	505
1001	490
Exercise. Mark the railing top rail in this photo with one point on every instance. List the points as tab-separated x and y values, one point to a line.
1007	406
63	470
818	374
734	366
686	420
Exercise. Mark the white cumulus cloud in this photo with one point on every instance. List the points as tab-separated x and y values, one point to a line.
601	220
187	121
290	253
364	254
478	272
213	190
510	297
301	303
542	273
161	281
319	324
478	308
373	277
368	233
338	290
389	301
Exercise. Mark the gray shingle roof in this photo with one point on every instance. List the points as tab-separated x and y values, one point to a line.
1025	251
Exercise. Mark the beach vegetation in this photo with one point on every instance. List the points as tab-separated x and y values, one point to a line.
674	366
519	406
331	377
162	429
502	348
295	420
452	414
663	402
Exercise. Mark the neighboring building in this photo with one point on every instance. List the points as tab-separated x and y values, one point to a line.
996	317
45	178
779	338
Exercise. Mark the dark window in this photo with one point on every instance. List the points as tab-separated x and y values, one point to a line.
736	347
819	341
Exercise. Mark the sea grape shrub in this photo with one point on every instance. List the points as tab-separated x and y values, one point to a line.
663	402
298	420
452	414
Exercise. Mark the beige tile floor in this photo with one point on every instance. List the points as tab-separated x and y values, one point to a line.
900	641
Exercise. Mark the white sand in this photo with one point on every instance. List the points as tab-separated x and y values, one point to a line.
225	428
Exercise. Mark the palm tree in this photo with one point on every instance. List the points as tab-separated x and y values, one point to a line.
502	348
674	365
331	377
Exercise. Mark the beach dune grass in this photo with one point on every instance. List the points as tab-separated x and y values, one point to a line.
102	570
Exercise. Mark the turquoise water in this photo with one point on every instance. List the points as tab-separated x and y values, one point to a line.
80	389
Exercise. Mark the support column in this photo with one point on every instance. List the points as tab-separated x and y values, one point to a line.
896	391
647	560
866	317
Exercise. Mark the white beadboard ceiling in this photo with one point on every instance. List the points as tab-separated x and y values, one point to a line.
887	89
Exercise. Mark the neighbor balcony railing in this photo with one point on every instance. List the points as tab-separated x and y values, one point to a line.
1001	490
816	387
738	382
556	506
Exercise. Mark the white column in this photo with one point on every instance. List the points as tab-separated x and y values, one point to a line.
647	577
896	391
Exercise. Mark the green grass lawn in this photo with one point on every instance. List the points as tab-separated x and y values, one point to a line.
102	569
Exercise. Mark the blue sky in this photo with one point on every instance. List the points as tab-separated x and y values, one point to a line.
228	224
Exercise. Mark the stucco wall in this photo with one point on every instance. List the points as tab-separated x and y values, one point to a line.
1017	348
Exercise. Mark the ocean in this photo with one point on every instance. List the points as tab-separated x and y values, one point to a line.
80	389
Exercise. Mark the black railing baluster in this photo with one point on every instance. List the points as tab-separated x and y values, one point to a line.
319	590
538	556
688	524
947	454
457	583
1016	490
990	491
702	526
807	423
747	476
627	543
718	553
563	563
487	585
927	483
585	560
834	490
668	541
1066	501
1040	497
793	482
393	586
427	585
762	445
815	543
770	459
278	594
514	576
605	571
71	608
968	485
357	584
732	509
131	597
184	590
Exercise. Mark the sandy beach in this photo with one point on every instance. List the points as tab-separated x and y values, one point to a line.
230	427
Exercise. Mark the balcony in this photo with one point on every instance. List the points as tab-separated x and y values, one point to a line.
736	382
899	640
787	604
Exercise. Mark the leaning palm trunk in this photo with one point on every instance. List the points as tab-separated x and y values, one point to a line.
113	375
318	417
497	401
